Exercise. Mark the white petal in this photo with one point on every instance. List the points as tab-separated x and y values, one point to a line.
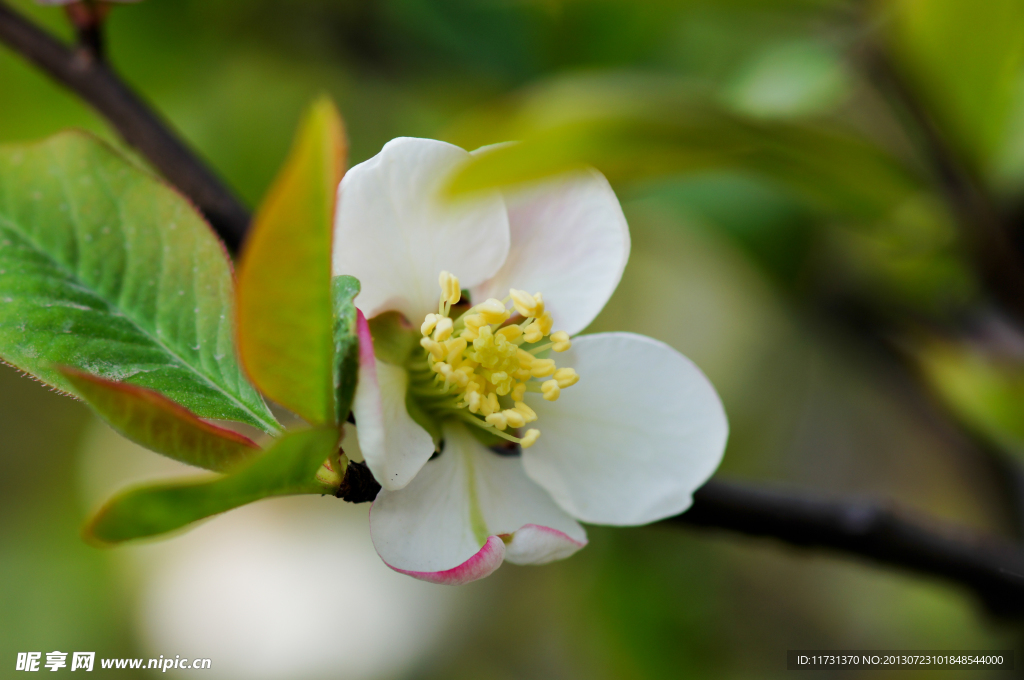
447	525
395	233
570	241
634	438
394	446
514	506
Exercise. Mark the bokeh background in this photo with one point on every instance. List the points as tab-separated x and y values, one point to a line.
788	236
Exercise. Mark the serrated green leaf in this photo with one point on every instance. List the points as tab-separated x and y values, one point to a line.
106	269
152	420
346	344
284	279
287	468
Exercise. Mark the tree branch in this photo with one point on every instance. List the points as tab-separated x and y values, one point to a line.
95	82
992	569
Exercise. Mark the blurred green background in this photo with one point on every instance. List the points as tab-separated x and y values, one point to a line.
788	235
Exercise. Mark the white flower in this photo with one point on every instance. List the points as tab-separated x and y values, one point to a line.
638	427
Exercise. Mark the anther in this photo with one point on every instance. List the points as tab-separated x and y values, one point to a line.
518	391
493	311
428	323
550	390
455	349
542	368
529	415
566	377
435	348
443	330
561	341
530	438
511	333
546	322
450	289
514	418
533	333
497	420
523	302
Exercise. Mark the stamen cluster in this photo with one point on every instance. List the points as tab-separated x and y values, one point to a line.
479	364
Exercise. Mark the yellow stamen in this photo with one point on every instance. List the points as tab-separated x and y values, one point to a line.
566	377
428	324
450	290
550	390
478	366
561	341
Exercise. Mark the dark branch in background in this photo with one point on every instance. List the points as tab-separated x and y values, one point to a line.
992	569
989	568
92	80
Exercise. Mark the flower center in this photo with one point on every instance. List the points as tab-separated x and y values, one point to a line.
479	366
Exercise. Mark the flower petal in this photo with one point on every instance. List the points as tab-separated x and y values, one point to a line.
395	233
632	441
447	526
570	241
513	506
394	446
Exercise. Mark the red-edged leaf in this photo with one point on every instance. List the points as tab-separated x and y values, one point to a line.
154	421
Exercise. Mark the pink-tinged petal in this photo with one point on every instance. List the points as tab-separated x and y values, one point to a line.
428	526
394	446
440	526
536	544
570	241
514	505
482	564
634	438
395	232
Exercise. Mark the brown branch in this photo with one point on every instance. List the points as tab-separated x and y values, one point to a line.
96	83
992	569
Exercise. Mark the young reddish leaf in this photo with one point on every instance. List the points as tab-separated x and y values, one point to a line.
152	420
287	468
284	279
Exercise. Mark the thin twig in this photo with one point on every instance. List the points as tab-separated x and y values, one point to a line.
992	569
96	83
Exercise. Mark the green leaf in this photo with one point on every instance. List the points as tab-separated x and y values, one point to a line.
986	393
637	130
965	57
346	344
287	468
106	269
284	279
152	420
